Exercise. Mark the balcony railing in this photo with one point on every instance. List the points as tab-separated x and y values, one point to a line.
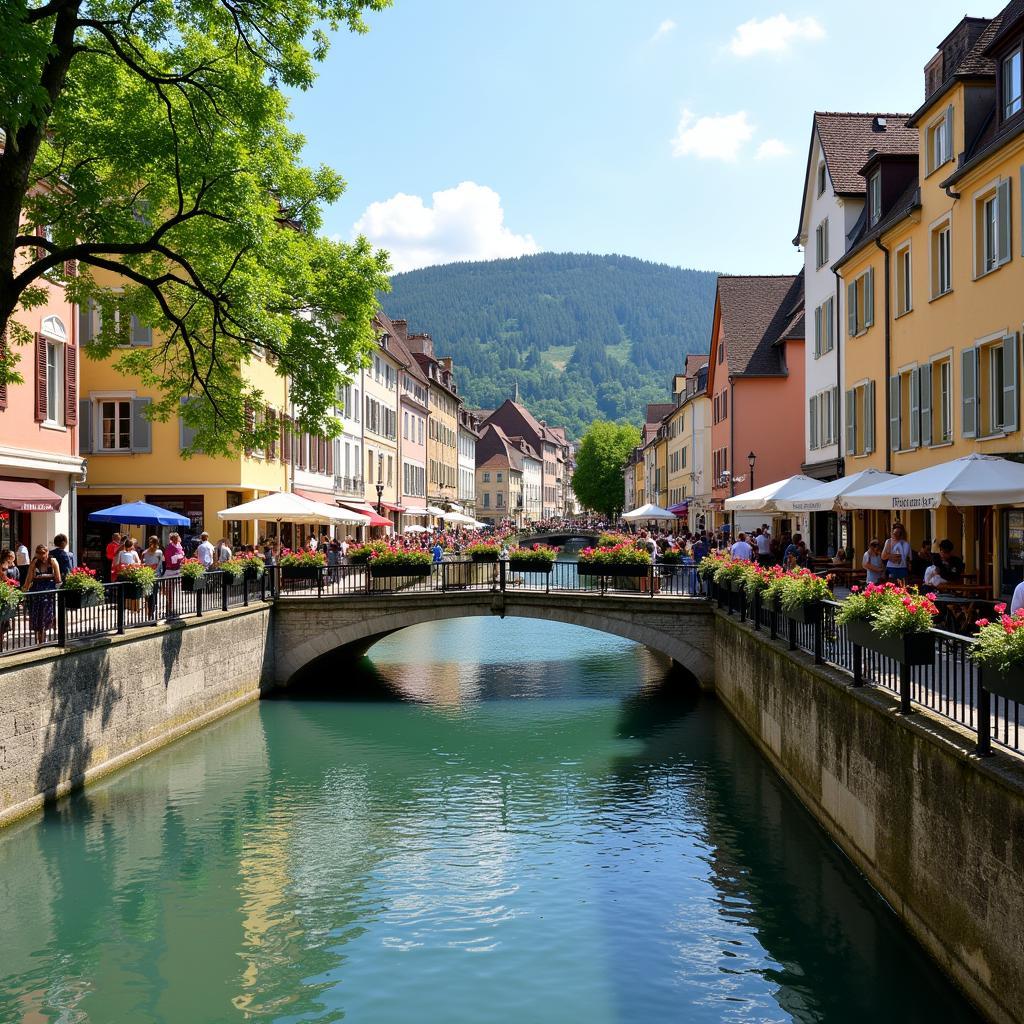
350	485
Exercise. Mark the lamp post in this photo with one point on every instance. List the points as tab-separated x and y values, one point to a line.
751	459
380	483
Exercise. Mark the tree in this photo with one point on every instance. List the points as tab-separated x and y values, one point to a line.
598	481
152	142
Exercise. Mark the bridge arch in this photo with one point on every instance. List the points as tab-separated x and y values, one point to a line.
307	629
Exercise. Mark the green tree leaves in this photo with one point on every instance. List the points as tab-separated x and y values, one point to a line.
153	142
600	464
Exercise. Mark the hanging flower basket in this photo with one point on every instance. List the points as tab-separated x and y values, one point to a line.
907	649
1008	683
541	565
76	600
394	571
613	569
190	584
806	614
300	572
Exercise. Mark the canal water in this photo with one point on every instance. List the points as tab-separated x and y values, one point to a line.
495	821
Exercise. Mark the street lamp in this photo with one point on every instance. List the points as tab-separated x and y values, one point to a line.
380	483
751	459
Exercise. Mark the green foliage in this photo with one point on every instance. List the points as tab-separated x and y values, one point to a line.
364	552
585	337
891	609
82	580
483	551
399	556
621	554
798	587
1000	644
598	481
538	554
153	140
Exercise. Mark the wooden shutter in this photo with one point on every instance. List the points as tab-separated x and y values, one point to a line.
948	154
70	386
851	422
869	417
851	309
817	332
270	451
894	412
3	384
1005	221
84	426
86	325
1011	362
40	379
813	421
915	408
330	457
837	419
140	336
186	434
286	439
969	392
869	297
926	404
830	340
142	428
249	416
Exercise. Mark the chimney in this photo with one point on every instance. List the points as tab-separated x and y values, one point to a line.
952	51
446	363
421	343
401	329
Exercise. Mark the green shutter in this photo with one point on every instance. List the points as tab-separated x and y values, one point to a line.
869	417
813	421
142	428
1011	363
948	155
1005	220
830	337
85	320
926	404
837	432
894	413
140	336
969	392
915	408
84	426
851	422
851	309
869	297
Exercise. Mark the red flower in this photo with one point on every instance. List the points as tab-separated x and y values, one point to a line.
1000	608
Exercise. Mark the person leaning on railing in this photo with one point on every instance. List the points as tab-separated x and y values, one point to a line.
43	576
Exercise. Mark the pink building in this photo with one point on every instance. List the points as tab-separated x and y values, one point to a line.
39	461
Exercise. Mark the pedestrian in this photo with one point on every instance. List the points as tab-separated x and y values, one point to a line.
949	564
112	551
60	554
921	559
741	549
764	546
154	558
43	578
896	554
874	567
205	551
127	556
222	553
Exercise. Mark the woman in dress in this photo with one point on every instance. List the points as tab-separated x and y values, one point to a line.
127	556
9	570
43	576
154	558
174	555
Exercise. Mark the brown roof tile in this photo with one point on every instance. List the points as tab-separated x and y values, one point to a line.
758	313
847	138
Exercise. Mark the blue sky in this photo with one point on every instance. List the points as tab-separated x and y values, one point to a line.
676	132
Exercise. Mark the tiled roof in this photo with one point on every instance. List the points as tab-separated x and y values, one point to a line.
398	348
757	313
846	140
694	361
909	200
1007	21
657	411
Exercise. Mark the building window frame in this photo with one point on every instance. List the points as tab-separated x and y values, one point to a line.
1011	99
940	234
904	282
939	136
993	232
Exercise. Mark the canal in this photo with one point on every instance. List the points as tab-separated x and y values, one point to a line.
488	821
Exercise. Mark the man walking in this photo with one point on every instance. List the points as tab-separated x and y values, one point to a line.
741	550
205	551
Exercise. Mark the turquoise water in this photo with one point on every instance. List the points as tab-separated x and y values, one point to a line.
502	821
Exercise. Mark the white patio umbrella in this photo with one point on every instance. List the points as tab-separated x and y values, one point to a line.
968	481
459	517
285	507
825	497
415	529
764	498
649	512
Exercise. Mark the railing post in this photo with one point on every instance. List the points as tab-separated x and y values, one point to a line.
757	611
224	583
905	708
199	601
120	609
62	619
858	665
245	589
792	633
773	620
320	581
743	605
984	748
653	577
817	635
503	574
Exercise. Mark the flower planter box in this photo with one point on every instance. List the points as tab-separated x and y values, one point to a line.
909	649
544	567
806	614
134	591
489	557
6	614
1004	684
75	600
251	574
190	584
310	573
391	572
612	569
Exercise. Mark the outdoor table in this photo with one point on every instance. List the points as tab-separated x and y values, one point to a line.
958	612
845	575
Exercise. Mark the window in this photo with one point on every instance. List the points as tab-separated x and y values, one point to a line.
904	281
116	425
992	228
823	418
54	382
487	477
860	303
821	243
940	141
875	198
988	387
941	403
500	502
487	499
1010	83
721	352
498	477
822	178
824	328
942	260
860	419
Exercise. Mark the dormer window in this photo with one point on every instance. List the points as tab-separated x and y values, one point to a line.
940	141
822	175
1011	84
875	198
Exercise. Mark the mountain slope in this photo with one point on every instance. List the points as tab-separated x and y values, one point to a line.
584	336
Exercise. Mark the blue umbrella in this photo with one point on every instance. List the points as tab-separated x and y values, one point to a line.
139	513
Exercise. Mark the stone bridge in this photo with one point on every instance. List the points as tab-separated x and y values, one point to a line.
307	628
557	538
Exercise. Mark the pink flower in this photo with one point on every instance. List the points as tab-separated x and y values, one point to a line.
982	623
854	589
1000	608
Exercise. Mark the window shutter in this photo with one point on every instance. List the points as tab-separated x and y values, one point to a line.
330	456
1005	220
830	338
926	404
968	390
817	332
249	416
824	241
142	429
70	386
3	385
813	421
286	439
1022	210
851	422
869	417
869	297
894	413
851	309
1011	362
141	336
915	408
84	426
271	447
186	434
948	153
85	322
40	379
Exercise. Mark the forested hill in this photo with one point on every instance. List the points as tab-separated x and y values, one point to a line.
584	336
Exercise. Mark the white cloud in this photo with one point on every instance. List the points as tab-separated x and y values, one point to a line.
772	148
464	223
668	25
774	35
712	138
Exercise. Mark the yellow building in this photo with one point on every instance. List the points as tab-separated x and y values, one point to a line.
689	442
933	284
380	430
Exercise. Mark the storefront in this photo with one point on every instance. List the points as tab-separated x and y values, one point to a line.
28	513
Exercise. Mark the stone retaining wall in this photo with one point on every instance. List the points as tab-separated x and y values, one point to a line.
69	716
938	832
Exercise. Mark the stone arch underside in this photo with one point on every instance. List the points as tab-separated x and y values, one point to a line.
359	632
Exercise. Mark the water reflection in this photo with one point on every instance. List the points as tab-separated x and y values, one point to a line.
490	821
